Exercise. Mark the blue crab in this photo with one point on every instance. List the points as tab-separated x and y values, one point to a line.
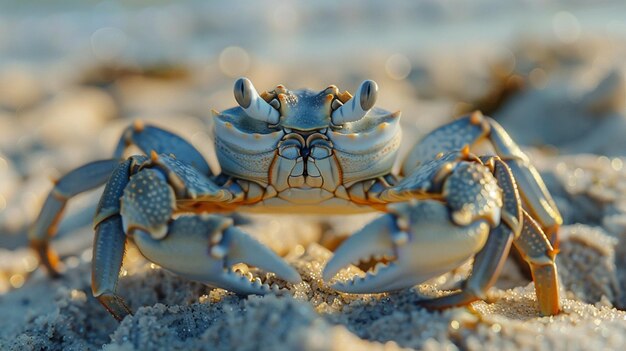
317	152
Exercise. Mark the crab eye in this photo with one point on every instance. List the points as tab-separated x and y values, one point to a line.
358	106
257	108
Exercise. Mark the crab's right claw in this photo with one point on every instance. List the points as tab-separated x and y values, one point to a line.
415	243
204	248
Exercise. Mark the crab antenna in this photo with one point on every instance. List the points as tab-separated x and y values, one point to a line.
257	108
357	107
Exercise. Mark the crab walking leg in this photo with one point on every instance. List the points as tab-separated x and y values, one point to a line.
532	188
108	253
81	179
149	138
109	242
450	137
489	261
539	254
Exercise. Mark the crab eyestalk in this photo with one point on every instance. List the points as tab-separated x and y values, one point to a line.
360	104
257	108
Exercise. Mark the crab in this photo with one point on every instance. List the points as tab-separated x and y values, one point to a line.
328	152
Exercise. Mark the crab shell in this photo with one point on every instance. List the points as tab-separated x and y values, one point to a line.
306	146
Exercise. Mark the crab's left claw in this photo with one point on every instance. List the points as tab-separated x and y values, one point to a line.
417	241
244	249
204	248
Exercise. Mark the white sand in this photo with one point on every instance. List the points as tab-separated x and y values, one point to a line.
182	315
66	94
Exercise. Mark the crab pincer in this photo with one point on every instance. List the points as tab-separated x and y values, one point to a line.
427	247
205	249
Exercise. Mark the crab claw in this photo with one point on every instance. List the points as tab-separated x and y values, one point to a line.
430	246
244	249
185	251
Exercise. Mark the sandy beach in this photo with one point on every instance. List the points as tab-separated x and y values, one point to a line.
73	76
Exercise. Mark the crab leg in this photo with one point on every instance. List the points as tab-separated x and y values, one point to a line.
109	243
149	138
108	253
532	188
81	179
537	251
450	137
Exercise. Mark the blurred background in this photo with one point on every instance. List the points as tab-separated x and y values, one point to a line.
73	74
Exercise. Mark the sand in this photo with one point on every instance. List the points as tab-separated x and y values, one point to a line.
66	95
173	313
